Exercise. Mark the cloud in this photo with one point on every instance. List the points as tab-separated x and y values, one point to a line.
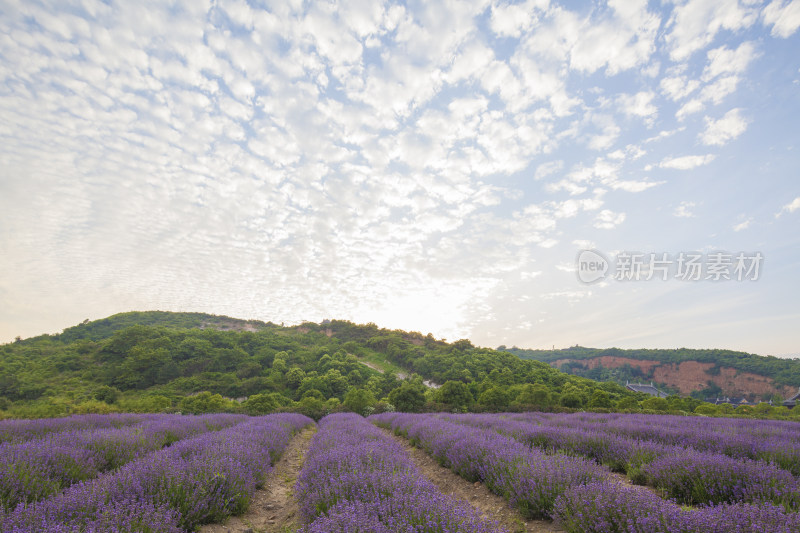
719	132
743	225
686	162
783	16
548	169
678	87
723	60
791	207
684	210
607	219
639	105
511	20
620	42
694	24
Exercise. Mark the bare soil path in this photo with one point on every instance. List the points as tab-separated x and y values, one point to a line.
487	503
273	508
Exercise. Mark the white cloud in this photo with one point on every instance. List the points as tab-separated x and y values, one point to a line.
685	210
621	42
743	225
634	185
783	16
511	20
678	87
548	169
723	60
686	162
694	24
607	219
583	244
639	105
791	207
719	132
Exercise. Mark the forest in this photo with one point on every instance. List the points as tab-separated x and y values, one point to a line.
784	371
197	363
192	362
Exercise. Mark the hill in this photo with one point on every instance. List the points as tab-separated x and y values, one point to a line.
160	361
701	373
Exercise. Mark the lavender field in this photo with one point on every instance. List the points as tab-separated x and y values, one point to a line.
582	472
142	473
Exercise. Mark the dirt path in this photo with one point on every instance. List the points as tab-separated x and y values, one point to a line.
487	503
273	508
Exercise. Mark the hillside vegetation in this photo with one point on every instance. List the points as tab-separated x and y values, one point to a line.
783	373
193	362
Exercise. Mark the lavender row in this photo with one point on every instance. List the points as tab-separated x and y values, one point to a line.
16	430
357	480
690	476
608	507
197	480
37	468
766	440
529	479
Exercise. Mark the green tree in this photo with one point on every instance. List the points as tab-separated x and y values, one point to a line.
494	398
106	394
656	404
312	408
725	409
249	369
260	404
600	398
455	394
359	401
205	402
294	377
538	395
628	402
408	397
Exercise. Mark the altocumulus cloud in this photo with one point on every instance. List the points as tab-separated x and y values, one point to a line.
405	163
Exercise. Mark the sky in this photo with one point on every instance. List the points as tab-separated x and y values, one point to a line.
429	166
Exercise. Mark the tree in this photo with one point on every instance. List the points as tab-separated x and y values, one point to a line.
707	409
205	402
572	396
294	377
655	404
538	395
248	369
106	394
600	398
408	397
494	398
456	394
260	404
359	401
628	402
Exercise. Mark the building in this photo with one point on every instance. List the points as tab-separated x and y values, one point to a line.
647	389
736	402
792	401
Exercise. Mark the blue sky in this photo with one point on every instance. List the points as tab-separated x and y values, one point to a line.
431	166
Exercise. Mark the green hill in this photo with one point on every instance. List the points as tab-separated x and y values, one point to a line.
717	372
155	361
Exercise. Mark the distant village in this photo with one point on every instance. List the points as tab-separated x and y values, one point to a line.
652	390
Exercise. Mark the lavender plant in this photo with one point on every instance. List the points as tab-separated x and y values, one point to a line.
694	477
356	479
197	480
529	479
609	507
